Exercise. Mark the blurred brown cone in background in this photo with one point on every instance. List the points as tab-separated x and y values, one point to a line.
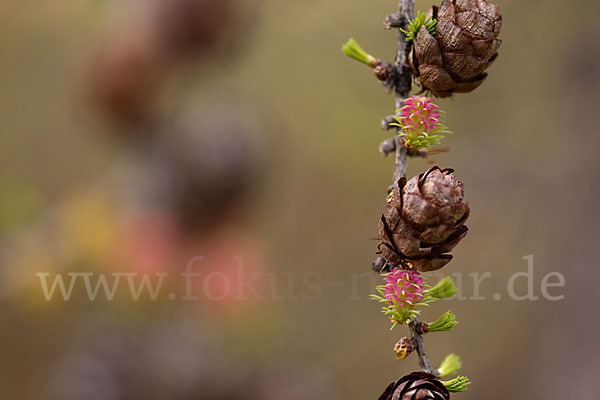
199	169
196	25
416	386
125	74
465	43
216	163
138	53
424	220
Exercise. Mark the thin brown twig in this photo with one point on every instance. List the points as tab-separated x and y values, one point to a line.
403	82
420	346
402	87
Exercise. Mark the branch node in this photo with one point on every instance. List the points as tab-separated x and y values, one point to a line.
380	265
417	153
422	328
385	123
387	147
387	73
394	21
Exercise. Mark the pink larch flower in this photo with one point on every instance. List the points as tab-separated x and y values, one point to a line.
420	114
403	287
420	124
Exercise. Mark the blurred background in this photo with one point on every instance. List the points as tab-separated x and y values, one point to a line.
138	135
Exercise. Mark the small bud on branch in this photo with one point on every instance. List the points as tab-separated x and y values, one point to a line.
404	347
394	21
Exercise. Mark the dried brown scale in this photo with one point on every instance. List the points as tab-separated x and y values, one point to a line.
416	386
424	220
464	45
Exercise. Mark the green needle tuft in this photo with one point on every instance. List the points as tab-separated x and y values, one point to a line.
414	26
445	323
353	50
450	366
458	384
443	289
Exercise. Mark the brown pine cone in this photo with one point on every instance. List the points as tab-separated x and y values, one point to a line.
424	220
416	386
464	45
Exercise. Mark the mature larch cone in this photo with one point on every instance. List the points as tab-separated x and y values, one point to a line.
465	43
423	220
416	386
